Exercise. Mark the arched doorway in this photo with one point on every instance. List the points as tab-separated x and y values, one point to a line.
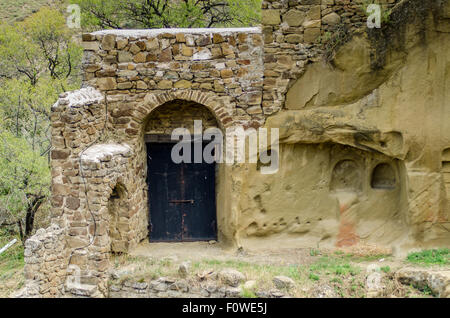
181	195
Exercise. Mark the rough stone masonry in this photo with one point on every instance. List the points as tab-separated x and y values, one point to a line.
364	146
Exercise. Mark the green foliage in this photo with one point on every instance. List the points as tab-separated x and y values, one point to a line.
247	293
38	61
430	257
426	290
22	172
313	277
385	269
332	265
314	252
337	280
168	14
39	46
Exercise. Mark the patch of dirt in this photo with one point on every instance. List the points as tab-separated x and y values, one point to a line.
11	282
197	251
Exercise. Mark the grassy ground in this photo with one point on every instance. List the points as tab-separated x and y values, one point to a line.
338	273
16	10
11	266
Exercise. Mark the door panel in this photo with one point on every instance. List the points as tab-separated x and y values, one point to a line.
200	186
163	175
181	197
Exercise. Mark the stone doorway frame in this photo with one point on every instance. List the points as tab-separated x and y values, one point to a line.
226	230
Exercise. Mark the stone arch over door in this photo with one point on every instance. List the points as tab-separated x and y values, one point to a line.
215	104
156	105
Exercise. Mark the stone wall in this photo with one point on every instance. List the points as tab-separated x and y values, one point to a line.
99	190
46	258
165	287
226	62
165	119
84	174
102	227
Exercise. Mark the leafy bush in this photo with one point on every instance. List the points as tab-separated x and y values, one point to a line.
38	60
144	14
430	257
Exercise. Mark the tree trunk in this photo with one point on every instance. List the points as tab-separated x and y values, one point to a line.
32	208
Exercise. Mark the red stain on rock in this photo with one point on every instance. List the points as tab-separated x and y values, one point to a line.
347	235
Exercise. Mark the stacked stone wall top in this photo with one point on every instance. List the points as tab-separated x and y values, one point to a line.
226	62
46	261
78	120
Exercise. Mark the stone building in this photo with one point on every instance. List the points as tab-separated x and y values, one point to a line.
364	137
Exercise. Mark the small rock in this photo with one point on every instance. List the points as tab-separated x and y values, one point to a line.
160	287
183	269
262	294
180	285
117	274
437	281
115	288
211	288
174	294
331	19
374	284
140	286
250	284
207	274
166	280
277	294
231	277
283	282
323	291
233	292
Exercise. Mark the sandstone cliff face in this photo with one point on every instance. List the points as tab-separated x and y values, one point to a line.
388	103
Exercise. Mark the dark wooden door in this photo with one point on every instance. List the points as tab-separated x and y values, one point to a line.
181	197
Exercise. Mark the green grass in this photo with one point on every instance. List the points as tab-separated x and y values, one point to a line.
336	280
17	10
430	257
359	258
292	271
336	270
385	269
